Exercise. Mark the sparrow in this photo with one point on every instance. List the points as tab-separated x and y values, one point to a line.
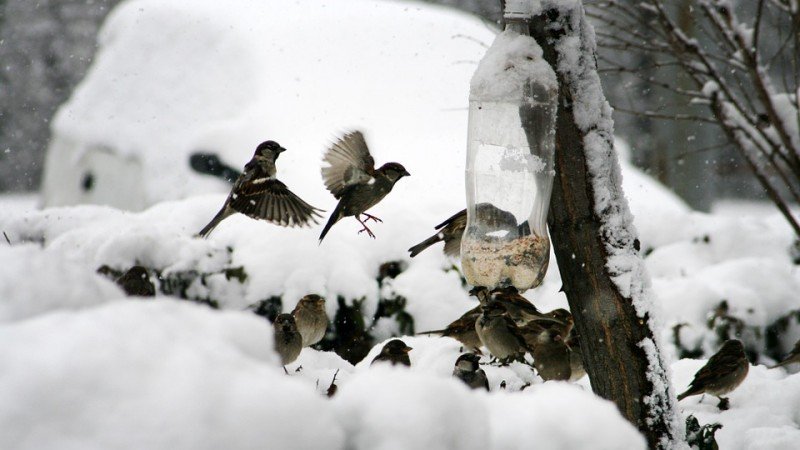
577	371
518	307
449	231
352	179
551	356
288	341
499	333
311	319
259	195
462	329
723	373
395	352
792	357
468	371
559	320
136	281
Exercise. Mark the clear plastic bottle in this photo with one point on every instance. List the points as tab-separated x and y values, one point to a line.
509	174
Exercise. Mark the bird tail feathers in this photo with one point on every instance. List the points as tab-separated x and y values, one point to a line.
221	215
417	249
335	216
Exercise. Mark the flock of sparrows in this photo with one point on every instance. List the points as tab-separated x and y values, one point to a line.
504	322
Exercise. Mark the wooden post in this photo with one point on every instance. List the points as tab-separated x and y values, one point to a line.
619	347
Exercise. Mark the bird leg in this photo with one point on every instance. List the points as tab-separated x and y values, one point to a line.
370	216
369	232
724	403
286	371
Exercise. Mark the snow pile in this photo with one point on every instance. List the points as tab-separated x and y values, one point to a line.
135	375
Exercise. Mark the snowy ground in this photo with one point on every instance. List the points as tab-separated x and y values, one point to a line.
81	366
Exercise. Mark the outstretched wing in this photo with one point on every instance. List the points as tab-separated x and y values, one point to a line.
269	199
349	163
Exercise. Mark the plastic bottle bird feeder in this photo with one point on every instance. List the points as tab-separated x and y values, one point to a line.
509	174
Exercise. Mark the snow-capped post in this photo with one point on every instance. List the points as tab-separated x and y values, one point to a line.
509	173
594	239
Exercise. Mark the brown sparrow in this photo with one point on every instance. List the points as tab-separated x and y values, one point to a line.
577	371
136	282
551	356
518	307
462	329
499	333
259	195
450	231
723	373
311	319
288	342
395	352
468	370
559	320
792	357
352	179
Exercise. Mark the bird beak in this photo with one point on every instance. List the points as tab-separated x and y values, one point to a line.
408	349
405	173
281	150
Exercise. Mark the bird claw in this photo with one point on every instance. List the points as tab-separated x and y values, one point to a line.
370	216
724	404
369	232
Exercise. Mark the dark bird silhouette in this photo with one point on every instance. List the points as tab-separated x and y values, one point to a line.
468	370
136	282
353	180
462	329
792	357
395	352
258	194
723	373
288	341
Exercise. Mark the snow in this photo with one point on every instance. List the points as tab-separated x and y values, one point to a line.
83	367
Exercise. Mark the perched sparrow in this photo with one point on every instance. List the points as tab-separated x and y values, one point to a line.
462	329
491	219
311	318
136	281
288	341
468	371
517	306
559	320
259	195
792	357
723	373
351	177
551	356
577	371
395	352
450	232
498	332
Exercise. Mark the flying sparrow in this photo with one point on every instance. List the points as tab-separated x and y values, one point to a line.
468	371
311	319
723	373
462	329
352	179
288	341
499	333
792	357
551	356
136	281
259	195
395	352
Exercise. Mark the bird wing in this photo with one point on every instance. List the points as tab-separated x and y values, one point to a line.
269	199
461	215
349	163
